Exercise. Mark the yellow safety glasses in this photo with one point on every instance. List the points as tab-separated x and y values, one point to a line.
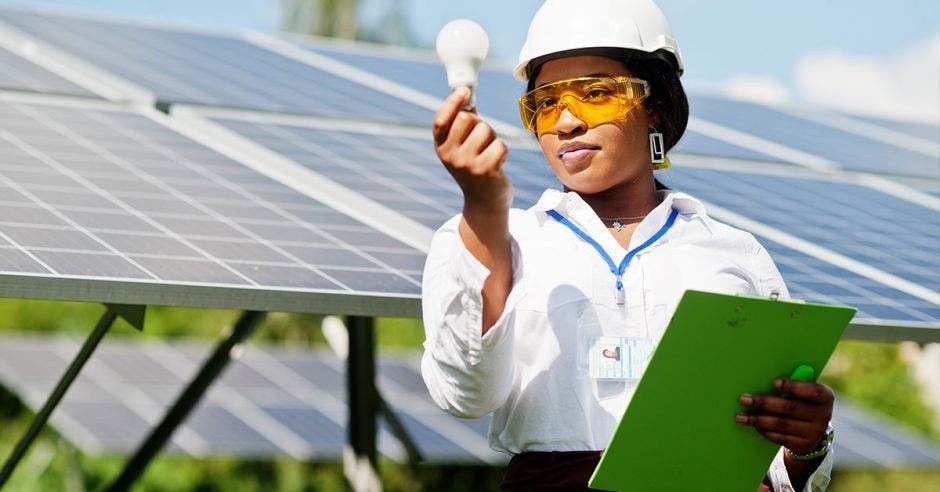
593	100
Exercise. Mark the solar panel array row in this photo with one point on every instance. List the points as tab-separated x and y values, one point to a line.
222	69
270	402
112	196
896	236
276	401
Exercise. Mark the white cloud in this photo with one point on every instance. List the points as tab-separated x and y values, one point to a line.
757	88
904	85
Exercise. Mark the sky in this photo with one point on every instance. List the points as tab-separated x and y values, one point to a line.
863	56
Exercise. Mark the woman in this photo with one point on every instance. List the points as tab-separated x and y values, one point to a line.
516	300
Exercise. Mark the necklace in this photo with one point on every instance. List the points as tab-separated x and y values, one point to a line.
619	221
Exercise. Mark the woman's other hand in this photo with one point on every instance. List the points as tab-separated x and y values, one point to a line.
797	421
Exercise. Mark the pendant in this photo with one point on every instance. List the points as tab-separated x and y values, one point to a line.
617	225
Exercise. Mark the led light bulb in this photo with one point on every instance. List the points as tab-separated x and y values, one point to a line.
462	46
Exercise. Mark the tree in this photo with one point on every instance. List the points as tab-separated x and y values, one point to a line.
339	19
330	18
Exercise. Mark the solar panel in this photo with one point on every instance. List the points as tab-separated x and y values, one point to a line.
497	93
849	150
21	74
810	279
213	69
111	419
694	142
261	424
880	230
96	192
402	174
926	131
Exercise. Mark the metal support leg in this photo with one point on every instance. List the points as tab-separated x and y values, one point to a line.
360	456
414	454
337	335
187	401
61	387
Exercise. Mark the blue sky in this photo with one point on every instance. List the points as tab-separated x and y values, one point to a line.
830	52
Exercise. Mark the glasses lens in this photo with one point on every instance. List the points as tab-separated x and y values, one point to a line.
593	100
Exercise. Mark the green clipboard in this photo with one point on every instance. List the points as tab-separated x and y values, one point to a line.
678	432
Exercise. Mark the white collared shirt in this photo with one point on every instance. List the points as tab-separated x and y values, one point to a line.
526	370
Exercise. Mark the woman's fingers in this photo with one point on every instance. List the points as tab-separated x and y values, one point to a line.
798	435
495	153
790	407
798	444
797	421
774	423
805	390
473	154
445	115
480	137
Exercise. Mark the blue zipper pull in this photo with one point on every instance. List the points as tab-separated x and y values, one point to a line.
621	293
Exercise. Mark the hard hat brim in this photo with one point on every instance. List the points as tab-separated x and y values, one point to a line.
524	70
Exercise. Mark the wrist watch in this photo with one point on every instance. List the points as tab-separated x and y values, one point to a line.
820	450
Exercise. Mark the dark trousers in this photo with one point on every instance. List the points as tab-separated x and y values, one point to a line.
550	471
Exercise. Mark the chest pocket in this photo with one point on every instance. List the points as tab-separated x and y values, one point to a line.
554	284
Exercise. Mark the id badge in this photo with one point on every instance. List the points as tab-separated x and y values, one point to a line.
618	358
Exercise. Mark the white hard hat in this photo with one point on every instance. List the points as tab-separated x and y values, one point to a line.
562	27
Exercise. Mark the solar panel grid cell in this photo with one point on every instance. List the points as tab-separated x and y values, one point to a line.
432	442
227	434
21	74
113	425
325	437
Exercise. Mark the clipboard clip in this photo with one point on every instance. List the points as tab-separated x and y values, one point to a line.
774	295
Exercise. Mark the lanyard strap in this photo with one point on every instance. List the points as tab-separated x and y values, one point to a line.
617	270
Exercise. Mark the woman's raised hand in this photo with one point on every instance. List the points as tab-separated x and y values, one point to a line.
474	156
469	149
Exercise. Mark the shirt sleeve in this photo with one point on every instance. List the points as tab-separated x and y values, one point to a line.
769	281
767	275
467	375
817	482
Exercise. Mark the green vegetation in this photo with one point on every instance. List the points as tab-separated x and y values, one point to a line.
874	376
871	374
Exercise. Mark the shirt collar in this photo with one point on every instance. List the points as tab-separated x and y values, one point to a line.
566	202
571	205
